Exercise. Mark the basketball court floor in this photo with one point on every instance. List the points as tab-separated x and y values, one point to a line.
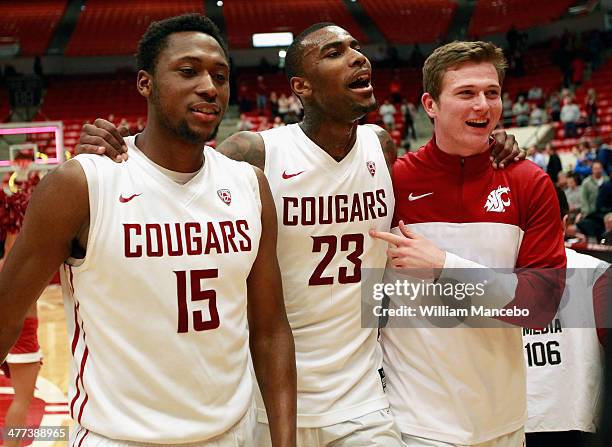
50	406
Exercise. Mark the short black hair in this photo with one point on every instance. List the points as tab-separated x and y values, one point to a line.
155	38
295	52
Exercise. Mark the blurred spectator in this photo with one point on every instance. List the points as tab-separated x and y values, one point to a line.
572	192
590	188
537	115
555	107
520	111
531	151
387	112
111	118
261	95
512	37
604	154
140	124
409	112
263	124
603	205
278	122
283	106
570	114
507	107
607	236
291	118
274	103
516	63
537	156
595	49
244	123
37	68
566	93
554	163
395	89
295	106
590	105
244	98
593	224
562	180
124	123
584	159
535	93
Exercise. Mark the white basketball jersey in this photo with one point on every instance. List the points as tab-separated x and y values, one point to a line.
157	309
565	359
325	209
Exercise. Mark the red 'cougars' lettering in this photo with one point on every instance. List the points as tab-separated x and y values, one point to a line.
175	239
340	208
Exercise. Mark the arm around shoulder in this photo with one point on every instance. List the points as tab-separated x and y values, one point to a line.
245	146
57	212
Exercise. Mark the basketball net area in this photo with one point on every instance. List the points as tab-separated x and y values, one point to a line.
33	146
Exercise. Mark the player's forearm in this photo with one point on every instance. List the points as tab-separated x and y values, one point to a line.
274	362
538	291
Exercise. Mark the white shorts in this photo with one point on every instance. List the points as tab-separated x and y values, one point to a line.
514	439
376	429
240	435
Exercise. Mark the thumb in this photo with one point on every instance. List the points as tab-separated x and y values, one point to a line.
406	231
124	131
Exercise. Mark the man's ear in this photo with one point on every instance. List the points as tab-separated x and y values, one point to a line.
144	83
429	105
300	86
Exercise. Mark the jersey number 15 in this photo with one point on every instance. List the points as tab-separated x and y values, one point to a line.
197	294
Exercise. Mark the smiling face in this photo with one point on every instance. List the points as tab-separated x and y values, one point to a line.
468	108
189	89
336	76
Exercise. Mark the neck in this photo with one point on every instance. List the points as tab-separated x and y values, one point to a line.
168	151
335	138
448	144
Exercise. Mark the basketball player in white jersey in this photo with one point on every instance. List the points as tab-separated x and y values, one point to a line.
160	342
330	181
565	359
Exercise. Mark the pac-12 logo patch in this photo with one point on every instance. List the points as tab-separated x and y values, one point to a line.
498	200
371	167
225	195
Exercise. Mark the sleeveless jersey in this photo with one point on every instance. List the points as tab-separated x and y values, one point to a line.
156	311
565	359
325	209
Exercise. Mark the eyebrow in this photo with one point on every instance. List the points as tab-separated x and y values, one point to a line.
462	87
199	61
336	44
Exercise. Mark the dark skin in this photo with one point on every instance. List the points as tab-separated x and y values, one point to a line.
188	91
332	57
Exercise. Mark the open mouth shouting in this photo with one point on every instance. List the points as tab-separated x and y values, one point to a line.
361	82
480	123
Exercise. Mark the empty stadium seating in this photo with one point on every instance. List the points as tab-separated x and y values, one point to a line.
498	16
113	27
246	17
411	21
31	22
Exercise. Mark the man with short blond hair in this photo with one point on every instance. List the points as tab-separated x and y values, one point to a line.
462	381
